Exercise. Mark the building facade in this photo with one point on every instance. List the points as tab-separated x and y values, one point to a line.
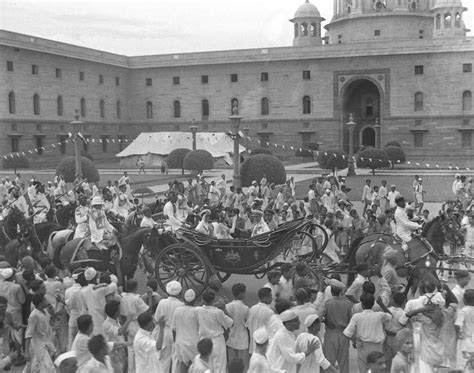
402	68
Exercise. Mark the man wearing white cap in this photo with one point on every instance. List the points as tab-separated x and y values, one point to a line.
185	327
282	353
165	311
131	306
258	361
260	226
316	360
204	226
66	362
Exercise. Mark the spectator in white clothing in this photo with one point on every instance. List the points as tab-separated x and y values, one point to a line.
147	349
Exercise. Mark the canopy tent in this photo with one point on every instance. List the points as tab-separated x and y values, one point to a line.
154	147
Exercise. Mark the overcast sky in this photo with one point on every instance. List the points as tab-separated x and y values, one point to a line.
140	27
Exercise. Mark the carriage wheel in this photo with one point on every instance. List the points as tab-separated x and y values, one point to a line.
303	247
321	237
325	260
183	263
223	276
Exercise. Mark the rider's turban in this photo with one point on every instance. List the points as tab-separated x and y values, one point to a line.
173	288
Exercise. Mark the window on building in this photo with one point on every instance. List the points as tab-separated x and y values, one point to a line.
59	73
421	34
83	107
264	77
176	80
314	29
306	138
177	109
264	106
457	20
438	21
377	32
419	70
306	105
15	143
102	108
34	69
466	140
467	68
105	141
339	39
204	79
234	78
205	109
11	103
265	140
81	75
467	101
62	145
60	106
304	29
39	144
306	74
117	80
419	101
101	79
448	19
149	110
118	109
9	65
369	106
36	104
149	82
418	139
121	142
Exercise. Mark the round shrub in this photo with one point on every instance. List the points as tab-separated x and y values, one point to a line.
332	159
393	143
304	153
67	167
372	158
261	151
86	155
395	155
176	158
15	163
198	160
260	165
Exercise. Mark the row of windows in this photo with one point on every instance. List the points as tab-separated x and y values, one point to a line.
466	139
60	106
466	101
59	73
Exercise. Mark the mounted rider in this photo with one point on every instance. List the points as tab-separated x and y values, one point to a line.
41	205
404	226
82	218
102	232
170	210
15	199
122	204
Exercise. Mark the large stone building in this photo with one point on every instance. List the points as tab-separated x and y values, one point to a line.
403	68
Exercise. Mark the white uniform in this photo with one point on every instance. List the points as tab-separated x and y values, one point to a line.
405	227
282	353
259	316
147	357
260	227
41	208
82	221
186	326
122	205
316	360
170	210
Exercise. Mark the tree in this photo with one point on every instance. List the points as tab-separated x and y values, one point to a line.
372	158
176	158
332	160
198	160
395	155
393	143
15	163
262	165
261	151
67	167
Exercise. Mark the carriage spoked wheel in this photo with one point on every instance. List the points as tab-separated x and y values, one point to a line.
185	264
321	237
303	247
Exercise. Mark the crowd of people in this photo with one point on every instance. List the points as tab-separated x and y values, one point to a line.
303	322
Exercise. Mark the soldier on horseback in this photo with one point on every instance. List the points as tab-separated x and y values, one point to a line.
101	231
404	226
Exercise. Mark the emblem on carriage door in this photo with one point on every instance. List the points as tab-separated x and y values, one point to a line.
233	257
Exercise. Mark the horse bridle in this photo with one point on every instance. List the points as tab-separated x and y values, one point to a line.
429	252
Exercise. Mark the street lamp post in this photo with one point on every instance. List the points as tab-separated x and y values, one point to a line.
235	135
194	129
351	125
77	125
377	133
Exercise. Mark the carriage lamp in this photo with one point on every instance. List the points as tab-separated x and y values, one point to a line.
194	130
351	125
235	135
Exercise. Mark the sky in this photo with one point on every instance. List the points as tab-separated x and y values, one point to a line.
146	27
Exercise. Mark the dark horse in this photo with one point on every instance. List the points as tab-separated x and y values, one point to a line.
423	254
69	256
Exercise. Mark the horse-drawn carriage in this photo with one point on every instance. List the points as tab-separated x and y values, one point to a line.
196	257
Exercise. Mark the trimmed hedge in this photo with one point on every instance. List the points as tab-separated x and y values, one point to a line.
372	158
334	159
257	151
393	143
67	167
176	158
15	163
395	154
198	160
260	165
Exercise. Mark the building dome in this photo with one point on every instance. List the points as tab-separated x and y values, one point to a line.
307	10
447	4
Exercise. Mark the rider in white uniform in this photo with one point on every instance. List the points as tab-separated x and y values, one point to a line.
170	210
404	226
102	232
122	205
82	218
41	206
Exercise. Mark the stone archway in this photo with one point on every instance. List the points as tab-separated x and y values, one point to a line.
363	98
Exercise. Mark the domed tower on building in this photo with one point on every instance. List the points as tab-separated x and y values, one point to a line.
372	20
307	23
448	21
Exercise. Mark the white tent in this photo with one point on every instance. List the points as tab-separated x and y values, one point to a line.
154	147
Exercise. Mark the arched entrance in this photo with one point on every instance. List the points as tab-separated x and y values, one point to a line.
368	137
361	97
